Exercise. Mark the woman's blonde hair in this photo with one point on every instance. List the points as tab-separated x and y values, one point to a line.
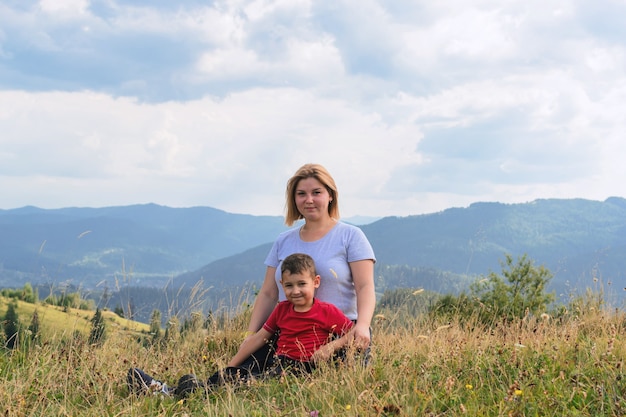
322	175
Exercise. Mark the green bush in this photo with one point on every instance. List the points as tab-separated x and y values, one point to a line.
519	291
97	334
11	326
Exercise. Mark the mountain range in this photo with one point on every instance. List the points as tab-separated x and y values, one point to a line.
582	242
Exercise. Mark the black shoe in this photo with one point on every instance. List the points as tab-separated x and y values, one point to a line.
230	375
140	382
187	385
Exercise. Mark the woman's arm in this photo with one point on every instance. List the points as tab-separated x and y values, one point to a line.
265	301
250	345
363	277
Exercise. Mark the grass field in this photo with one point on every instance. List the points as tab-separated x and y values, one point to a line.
58	323
573	366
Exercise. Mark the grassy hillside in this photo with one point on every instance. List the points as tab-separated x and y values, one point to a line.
55	323
573	366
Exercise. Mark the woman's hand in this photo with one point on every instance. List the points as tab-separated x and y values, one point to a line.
361	335
363	277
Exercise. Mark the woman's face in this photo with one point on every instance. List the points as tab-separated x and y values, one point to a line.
312	199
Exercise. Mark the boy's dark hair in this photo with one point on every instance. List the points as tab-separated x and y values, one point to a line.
298	263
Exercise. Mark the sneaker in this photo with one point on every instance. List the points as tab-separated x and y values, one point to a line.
187	385
231	375
140	382
158	387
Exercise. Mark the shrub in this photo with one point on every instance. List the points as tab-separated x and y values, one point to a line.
98	329
11	326
519	291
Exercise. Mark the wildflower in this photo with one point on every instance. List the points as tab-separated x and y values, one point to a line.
514	392
450	382
348	406
314	413
469	386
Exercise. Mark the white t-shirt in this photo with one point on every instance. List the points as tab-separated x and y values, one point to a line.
332	254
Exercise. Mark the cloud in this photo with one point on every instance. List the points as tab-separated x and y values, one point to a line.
413	106
205	145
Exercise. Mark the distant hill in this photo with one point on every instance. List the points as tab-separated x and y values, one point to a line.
578	240
146	244
558	233
151	245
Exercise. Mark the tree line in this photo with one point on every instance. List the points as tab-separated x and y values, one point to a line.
517	292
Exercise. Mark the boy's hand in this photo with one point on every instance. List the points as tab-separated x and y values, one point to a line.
323	354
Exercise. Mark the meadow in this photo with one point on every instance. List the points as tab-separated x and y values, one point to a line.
570	365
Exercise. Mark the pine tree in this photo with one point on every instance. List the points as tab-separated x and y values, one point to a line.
119	311
172	331
34	328
11	326
518	291
28	294
155	325
98	329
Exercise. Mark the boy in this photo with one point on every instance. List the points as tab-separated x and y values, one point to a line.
305	329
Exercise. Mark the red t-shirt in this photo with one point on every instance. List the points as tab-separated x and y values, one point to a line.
301	334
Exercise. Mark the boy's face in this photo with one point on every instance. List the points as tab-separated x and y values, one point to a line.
300	288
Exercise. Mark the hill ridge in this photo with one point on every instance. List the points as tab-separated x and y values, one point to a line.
149	244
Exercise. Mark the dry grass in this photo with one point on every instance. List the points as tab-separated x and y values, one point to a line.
573	366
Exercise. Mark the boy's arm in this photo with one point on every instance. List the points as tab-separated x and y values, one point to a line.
249	346
326	351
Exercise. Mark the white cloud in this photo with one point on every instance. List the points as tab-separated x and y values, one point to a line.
64	9
232	63
413	106
210	144
262	9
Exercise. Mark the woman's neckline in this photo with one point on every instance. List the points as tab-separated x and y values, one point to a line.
317	234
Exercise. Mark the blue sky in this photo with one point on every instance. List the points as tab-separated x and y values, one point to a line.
414	106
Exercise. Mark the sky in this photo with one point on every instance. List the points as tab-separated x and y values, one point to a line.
413	106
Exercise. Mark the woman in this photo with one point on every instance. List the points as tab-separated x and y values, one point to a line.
343	256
